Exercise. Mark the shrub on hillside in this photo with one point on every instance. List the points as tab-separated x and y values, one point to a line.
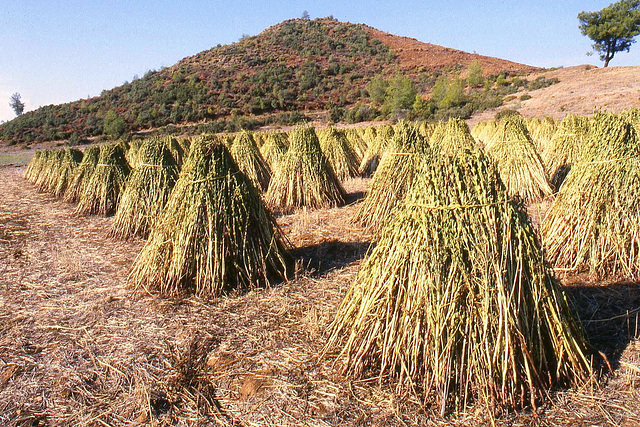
360	113
114	125
507	112
474	74
541	82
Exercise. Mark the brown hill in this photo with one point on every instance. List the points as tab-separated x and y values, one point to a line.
410	53
284	75
581	89
413	54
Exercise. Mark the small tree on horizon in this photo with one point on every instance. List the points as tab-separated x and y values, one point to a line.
16	103
613	28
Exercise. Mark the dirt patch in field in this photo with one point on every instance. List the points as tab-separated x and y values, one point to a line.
80	347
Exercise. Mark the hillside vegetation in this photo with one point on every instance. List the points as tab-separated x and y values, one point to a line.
282	75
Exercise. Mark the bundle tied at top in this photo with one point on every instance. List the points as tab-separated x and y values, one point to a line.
456	302
593	224
214	234
304	177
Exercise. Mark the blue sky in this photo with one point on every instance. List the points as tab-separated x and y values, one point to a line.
54	52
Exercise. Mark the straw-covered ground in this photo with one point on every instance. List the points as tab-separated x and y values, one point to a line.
80	347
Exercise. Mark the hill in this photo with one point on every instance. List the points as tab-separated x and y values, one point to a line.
580	90
413	55
291	70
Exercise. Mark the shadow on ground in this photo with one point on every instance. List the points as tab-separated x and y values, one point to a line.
609	314
323	257
354	197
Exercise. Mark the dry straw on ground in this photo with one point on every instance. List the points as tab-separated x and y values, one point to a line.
633	116
452	137
456	302
71	158
34	166
176	150
357	142
37	169
185	144
50	164
304	177
518	161
215	233
426	129
147	190
259	138
486	133
131	152
541	132
594	222
228	139
80	348
477	129
368	135
48	176
376	148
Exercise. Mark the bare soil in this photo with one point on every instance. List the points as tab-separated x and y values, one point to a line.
79	347
416	55
581	90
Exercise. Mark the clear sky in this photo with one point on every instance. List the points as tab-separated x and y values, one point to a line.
59	51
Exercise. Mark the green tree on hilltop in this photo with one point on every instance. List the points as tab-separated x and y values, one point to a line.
448	93
16	103
613	28
423	108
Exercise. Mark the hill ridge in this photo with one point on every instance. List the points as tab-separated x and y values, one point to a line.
415	53
292	69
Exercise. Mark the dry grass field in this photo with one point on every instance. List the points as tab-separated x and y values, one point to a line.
581	90
234	310
79	347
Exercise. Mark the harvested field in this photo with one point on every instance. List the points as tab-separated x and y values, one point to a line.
80	347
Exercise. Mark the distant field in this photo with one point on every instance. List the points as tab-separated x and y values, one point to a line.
17	158
582	90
